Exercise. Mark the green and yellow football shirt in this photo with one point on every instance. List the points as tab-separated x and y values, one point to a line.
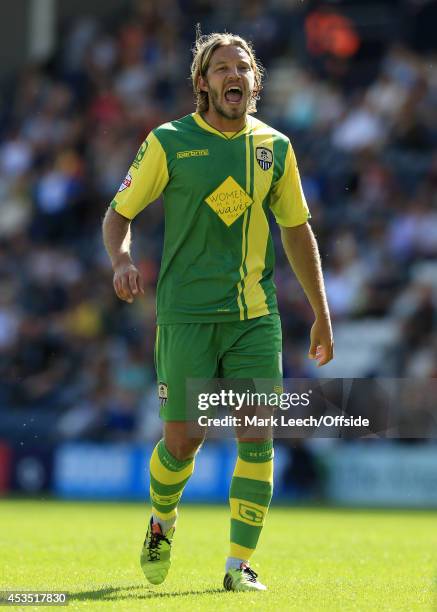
218	257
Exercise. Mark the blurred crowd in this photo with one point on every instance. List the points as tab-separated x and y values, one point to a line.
361	115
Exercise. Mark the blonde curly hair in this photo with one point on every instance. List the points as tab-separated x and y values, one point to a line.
203	50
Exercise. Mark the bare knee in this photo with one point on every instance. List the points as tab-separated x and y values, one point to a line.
183	449
180	441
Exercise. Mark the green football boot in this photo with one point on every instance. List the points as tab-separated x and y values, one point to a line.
155	555
242	579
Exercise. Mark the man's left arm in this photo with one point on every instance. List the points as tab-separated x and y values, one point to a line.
302	252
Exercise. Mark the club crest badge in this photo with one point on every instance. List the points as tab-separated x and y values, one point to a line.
264	157
162	393
126	182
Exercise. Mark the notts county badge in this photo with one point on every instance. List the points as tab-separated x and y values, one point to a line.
264	157
162	393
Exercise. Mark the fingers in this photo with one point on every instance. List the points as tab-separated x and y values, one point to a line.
117	287
128	284
120	290
136	283
125	289
322	344
324	354
140	284
132	283
313	350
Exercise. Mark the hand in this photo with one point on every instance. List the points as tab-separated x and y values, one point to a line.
128	282
322	343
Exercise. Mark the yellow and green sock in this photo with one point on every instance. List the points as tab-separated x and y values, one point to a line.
168	477
249	498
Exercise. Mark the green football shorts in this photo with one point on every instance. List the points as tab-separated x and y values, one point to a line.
250	349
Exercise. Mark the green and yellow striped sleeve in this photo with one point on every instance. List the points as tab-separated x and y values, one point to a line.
145	181
287	200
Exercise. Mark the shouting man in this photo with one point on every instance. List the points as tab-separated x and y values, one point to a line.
220	171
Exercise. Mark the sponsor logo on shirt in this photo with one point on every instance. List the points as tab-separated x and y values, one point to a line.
127	181
139	156
264	157
229	201
193	153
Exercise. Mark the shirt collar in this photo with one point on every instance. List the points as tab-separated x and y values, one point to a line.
200	121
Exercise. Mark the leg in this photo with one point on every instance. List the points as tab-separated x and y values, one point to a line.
171	466
181	352
256	354
249	498
169	473
182	439
250	495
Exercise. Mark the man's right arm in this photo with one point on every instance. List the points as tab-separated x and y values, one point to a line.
144	183
127	281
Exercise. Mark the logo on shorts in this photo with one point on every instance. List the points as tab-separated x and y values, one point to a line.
264	157
162	393
126	182
250	513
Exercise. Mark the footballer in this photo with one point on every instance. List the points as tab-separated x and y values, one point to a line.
220	172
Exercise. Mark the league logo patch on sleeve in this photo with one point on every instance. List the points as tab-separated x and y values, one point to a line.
127	181
264	157
162	393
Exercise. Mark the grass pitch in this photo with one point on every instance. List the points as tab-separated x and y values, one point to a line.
310	559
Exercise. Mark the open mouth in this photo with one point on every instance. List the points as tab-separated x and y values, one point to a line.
234	94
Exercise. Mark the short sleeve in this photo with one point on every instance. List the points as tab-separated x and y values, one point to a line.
145	181
287	200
